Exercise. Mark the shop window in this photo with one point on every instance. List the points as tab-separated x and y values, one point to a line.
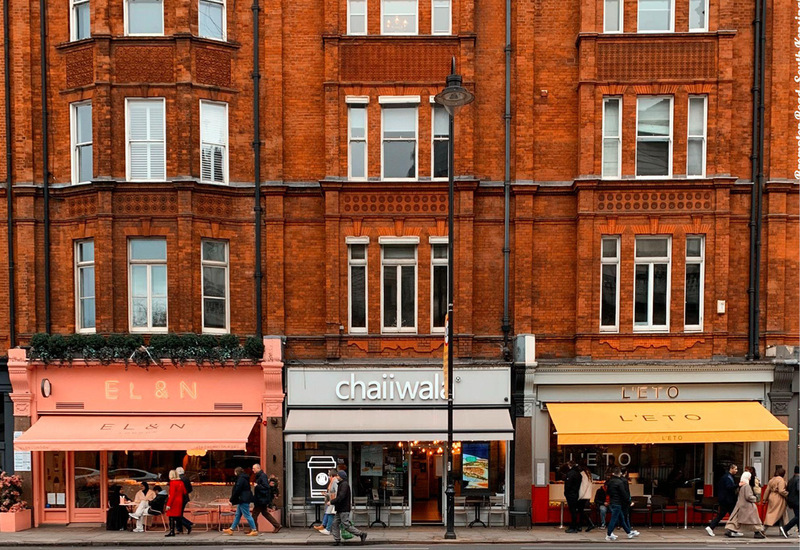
213	142
441	17
612	137
301	452
398	16
609	284
696	139
357	287
725	454
146	139
479	467
148	285
84	286
81	119
612	16
214	259
439	284
55	481
656	15
651	283
87	479
357	142
399	151
698	15
356	16
211	19
144	17
654	136
80	20
440	160
380	469
695	274
399	288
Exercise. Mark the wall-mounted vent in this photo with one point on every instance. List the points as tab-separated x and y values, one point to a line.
227	406
69	406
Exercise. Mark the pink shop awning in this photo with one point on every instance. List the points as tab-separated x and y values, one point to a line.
136	433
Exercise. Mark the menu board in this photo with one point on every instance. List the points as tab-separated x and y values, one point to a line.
372	460
475	466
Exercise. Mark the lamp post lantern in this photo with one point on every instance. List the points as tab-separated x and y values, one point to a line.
452	98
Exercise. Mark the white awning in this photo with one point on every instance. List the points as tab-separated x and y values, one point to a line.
397	425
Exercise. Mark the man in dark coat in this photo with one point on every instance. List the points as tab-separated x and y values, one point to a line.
619	497
263	494
572	488
343	506
188	484
241	496
793	501
727	497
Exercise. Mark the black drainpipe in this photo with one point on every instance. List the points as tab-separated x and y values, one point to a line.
757	176
257	166
507	355
45	163
12	310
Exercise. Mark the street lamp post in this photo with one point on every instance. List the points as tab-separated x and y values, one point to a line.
452	98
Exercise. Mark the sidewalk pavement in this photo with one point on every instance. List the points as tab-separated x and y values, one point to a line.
96	535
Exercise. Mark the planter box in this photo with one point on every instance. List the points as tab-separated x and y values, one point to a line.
11	522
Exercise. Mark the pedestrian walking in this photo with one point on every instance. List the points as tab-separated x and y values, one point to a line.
241	496
727	488
263	495
619	498
745	513
174	507
585	497
343	506
793	501
330	509
187	483
775	496
572	490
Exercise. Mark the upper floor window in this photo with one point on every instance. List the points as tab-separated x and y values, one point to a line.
609	283
211	19
213	142
399	287
147	260
654	136
357	283
84	286
144	17
441	17
399	150
612	16
695	273
357	141
651	283
696	138
698	15
439	283
612	137
214	259
356	16
441	139
399	17
146	147
80	20
81	119
656	15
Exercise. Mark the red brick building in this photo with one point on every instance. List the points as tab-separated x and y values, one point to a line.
630	177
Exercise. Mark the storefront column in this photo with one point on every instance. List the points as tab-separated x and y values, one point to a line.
780	396
21	376
272	413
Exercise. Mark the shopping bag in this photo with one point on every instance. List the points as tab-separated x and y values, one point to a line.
346	535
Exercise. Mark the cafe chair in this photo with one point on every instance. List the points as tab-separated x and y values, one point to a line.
496	508
198	513
658	505
520	514
396	508
360	508
640	506
460	509
684	497
588	510
150	513
298	515
707	505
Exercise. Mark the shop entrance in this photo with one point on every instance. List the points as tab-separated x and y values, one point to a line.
427	488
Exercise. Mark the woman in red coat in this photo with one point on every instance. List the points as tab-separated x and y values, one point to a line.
174	507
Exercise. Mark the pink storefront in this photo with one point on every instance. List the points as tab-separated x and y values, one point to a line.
93	425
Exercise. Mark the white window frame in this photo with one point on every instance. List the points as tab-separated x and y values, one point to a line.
388	241
651	261
615	261
217	265
224	20
701	261
414	33
149	263
75	144
449	30
438	241
225	179
704	28
73	20
357	241
435	107
617	138
408	102
128	102
620	15
127	21
358	105
366	19
80	266
669	138
671	19
702	137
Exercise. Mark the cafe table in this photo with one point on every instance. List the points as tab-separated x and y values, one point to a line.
477	502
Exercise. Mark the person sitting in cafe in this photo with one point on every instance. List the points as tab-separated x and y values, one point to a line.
157	504
142	501
117	515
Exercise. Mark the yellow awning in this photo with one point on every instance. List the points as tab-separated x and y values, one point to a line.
664	422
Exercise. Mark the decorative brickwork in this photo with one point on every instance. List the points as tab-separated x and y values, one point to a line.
145	204
654	201
147	64
635	61
213	67
80	67
372	203
396	62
